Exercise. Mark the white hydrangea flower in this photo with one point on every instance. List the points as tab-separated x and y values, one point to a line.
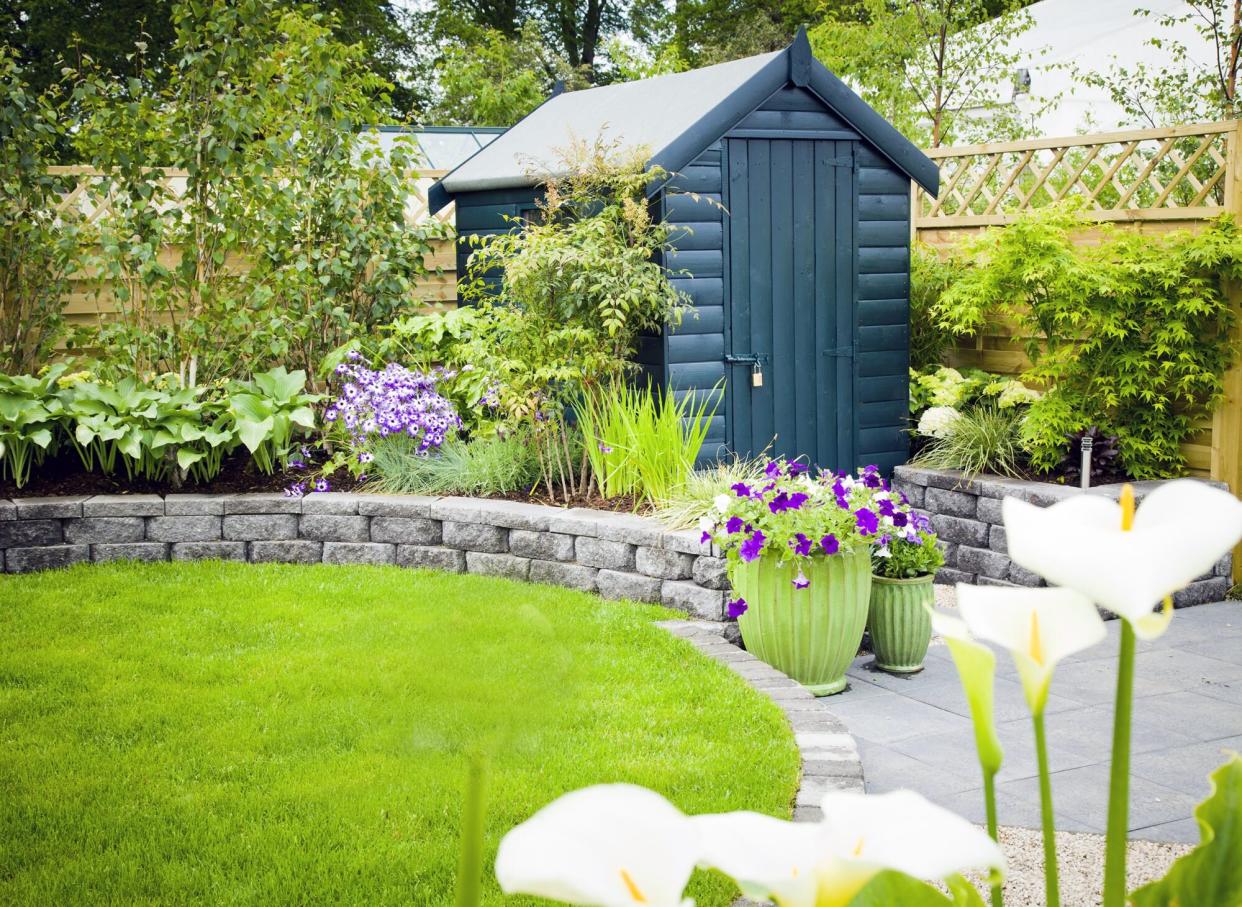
938	422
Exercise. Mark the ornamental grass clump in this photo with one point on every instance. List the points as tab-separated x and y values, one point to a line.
794	515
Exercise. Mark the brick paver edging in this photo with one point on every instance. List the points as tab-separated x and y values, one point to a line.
966	514
828	753
616	555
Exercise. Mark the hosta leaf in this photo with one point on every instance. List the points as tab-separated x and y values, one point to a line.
187	457
1211	874
304	416
253	434
42	437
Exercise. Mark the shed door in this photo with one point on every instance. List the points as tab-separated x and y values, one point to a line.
791	206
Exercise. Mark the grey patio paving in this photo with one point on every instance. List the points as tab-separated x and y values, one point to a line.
915	732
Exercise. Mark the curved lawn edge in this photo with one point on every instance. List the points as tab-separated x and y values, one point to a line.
826	749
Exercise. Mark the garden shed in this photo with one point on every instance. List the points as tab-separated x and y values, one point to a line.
795	252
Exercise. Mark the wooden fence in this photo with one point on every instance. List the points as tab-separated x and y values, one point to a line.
90	300
1150	180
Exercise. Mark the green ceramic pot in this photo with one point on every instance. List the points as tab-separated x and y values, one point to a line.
811	634
899	623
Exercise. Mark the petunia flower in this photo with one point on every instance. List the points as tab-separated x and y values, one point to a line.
741	489
1039	627
1128	561
825	864
830	544
796	500
800	581
736	607
780	503
750	549
868	522
734	525
611	845
801	545
773	470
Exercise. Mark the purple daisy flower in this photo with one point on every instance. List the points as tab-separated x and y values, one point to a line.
736	608
750	549
867	521
830	544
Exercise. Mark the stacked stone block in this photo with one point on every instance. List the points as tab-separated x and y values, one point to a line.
967	516
619	556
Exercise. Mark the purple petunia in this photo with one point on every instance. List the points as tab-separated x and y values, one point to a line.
742	490
801	545
734	525
886	507
830	544
796	469
800	581
750	549
867	521
705	537
736	608
780	503
900	518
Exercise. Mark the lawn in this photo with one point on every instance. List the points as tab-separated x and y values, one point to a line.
233	733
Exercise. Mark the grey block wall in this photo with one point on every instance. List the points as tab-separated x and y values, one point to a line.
614	554
966	515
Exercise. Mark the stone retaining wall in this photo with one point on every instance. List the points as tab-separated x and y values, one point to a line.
966	514
616	555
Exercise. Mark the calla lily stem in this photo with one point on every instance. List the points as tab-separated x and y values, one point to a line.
989	804
1052	886
1119	777
470	864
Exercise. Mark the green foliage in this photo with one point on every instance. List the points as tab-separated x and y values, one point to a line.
1130	335
29	414
907	560
685	505
264	113
38	248
1211	874
890	888
983	439
930	276
642	443
493	79
481	466
158	430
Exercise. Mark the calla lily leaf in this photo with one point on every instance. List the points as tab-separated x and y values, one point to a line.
891	888
1211	874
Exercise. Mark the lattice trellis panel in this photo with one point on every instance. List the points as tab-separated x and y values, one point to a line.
1149	174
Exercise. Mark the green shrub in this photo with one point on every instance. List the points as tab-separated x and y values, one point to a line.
30	414
482	466
930	276
1131	335
983	439
641	442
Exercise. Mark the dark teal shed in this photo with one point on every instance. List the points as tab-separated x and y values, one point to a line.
800	275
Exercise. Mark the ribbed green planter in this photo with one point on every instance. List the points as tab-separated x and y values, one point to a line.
899	623
811	634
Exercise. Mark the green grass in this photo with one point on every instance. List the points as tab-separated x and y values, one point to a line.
228	734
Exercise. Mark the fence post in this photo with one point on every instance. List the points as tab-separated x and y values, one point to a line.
1227	420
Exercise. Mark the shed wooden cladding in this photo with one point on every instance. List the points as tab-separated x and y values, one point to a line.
1151	180
89	300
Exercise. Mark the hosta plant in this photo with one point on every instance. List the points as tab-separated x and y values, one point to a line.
268	412
29	414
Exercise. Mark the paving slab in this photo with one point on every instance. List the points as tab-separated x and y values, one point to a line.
913	731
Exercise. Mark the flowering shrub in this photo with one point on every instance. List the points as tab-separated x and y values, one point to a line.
947	387
794	515
938	421
394	400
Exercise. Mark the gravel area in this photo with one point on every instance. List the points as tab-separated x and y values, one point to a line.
1081	864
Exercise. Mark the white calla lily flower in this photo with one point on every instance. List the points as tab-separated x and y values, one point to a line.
1039	627
612	845
827	864
1125	560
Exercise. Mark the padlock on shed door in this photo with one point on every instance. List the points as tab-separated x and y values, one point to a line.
756	375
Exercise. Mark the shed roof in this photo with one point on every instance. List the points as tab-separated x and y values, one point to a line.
440	147
675	116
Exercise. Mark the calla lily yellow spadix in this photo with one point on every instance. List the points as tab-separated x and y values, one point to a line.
827	864
1039	627
1179	531
612	845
